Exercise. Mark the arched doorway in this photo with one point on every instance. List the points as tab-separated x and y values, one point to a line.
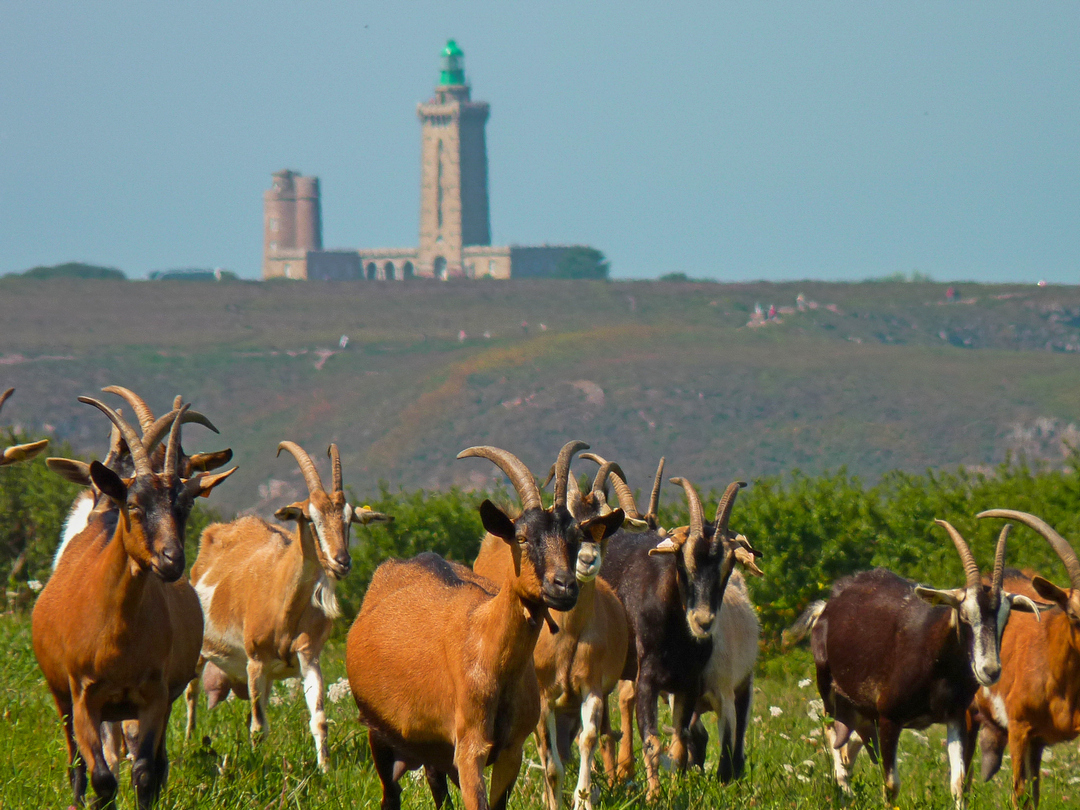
439	268
407	270
388	271
372	271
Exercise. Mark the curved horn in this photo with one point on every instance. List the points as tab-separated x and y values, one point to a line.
727	503
335	465
971	568
999	558
172	449
4	397
134	443
654	499
307	467
515	470
697	515
550	475
562	470
618	482
1057	542
163	424
138	405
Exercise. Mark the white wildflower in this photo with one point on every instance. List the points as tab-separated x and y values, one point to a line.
815	732
784	736
789	768
34	585
775	711
338	691
815	709
805	682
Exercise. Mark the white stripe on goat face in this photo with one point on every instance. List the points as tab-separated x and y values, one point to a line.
985	658
346	523
317	523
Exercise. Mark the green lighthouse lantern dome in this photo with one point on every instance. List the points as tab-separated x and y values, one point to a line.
453	65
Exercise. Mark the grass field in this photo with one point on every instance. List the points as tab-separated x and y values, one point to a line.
788	766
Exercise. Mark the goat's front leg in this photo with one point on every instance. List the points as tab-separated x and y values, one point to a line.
504	774
547	747
647	725
311	672
682	711
627	701
592	712
76	763
149	770
470	758
961	744
258	687
86	725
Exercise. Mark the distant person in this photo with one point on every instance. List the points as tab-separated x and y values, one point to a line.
772	312
951	294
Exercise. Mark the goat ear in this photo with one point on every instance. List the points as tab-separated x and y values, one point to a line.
496	522
204	462
603	526
208	482
294	511
1019	603
77	472
665	546
365	515
635	526
746	558
108	482
22	452
1049	591
951	598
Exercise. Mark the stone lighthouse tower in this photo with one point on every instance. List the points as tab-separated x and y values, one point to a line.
453	167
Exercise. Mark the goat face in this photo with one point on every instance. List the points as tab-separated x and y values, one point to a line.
545	546
703	565
985	612
154	512
330	518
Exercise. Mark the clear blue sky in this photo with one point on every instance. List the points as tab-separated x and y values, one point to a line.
731	140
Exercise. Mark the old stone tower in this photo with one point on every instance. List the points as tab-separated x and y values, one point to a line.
453	182
292	224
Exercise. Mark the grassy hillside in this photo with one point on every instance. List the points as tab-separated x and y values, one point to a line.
874	376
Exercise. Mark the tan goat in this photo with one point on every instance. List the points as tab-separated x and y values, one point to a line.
440	659
117	629
268	595
579	661
18	452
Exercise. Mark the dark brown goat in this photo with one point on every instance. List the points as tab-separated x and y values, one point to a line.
892	655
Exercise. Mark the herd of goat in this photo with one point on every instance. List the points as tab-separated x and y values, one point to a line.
452	668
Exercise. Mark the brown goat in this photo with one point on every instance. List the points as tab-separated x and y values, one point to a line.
1036	702
440	659
268	595
117	629
579	661
18	452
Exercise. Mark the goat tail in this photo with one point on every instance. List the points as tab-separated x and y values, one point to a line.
803	625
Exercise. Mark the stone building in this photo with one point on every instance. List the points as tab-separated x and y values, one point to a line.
455	224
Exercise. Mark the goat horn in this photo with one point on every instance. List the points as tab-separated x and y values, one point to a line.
1059	543
654	499
307	466
618	481
999	558
550	475
727	503
134	443
116	448
515	470
137	403
335	465
163	424
4	397
697	515
562	470
172	449
971	568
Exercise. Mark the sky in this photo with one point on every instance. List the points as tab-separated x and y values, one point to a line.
726	140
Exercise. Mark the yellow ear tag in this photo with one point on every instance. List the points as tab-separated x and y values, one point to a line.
597	530
366	507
